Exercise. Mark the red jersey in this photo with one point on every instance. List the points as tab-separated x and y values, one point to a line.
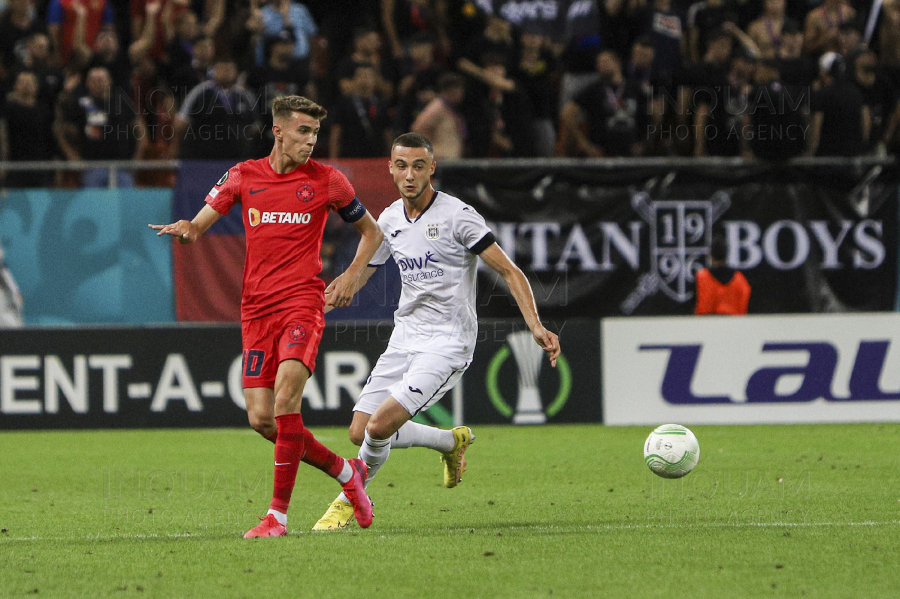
284	219
138	10
61	13
717	297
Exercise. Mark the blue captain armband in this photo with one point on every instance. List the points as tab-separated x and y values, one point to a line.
353	211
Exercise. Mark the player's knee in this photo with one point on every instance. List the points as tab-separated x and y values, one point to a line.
357	434
288	400
264	424
378	429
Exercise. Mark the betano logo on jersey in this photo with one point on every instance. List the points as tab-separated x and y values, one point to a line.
290	218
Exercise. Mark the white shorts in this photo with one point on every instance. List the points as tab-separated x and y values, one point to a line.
416	380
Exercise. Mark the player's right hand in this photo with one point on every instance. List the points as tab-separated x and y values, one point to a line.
340	291
181	230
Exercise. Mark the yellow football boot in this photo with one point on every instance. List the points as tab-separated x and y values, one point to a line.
455	460
339	515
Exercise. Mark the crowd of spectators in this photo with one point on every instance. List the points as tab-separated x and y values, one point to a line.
113	79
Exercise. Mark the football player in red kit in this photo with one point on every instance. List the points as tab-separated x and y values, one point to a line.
285	199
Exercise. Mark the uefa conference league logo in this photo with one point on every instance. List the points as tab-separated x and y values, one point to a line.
529	358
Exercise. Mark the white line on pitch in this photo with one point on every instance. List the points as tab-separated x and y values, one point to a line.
709	525
98	537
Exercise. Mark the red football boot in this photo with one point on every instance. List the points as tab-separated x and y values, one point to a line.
269	527
355	491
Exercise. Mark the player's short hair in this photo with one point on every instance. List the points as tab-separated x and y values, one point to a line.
413	140
283	106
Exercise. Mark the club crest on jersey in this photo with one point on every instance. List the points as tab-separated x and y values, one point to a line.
305	193
432	231
222	179
297	333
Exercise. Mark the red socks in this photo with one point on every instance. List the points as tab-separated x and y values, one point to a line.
321	457
289	449
295	443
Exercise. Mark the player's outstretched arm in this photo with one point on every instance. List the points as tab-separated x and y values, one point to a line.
329	291
497	259
340	291
187	231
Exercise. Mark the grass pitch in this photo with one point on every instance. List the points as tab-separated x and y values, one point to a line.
567	511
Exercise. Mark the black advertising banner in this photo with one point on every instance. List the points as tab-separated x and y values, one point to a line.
186	376
598	241
190	376
510	379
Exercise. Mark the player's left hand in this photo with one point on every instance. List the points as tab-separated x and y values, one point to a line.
339	292
548	341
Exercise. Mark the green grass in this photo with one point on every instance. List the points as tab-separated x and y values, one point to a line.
572	511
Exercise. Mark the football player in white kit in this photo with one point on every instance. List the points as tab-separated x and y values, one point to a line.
436	241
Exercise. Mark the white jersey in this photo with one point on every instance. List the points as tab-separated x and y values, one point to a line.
437	254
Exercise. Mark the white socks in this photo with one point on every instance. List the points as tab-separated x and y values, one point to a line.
413	434
282	518
375	452
346	474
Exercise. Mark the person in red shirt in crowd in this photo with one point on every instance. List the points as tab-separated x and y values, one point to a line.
61	18
285	200
162	12
720	289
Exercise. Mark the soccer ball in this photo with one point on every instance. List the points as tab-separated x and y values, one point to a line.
671	451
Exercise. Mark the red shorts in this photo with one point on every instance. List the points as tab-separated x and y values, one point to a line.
285	335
